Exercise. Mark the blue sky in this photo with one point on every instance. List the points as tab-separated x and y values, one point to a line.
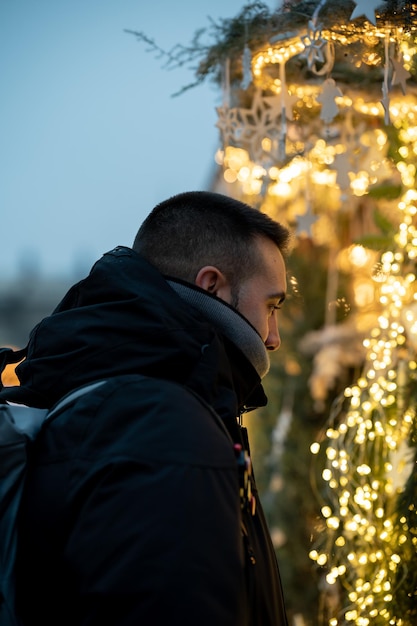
90	135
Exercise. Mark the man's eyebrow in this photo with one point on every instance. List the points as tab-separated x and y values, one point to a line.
278	296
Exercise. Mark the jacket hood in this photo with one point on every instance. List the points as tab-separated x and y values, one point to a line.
124	318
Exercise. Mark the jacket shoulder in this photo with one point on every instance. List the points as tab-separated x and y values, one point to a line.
144	418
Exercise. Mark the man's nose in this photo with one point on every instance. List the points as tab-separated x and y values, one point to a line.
273	341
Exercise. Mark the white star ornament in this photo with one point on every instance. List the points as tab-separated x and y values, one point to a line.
366	8
400	75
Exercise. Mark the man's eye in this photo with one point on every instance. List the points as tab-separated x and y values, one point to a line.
274	307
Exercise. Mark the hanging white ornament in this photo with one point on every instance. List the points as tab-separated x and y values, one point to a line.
327	99
313	44
385	86
228	124
246	67
258	122
366	8
226	83
343	165
400	74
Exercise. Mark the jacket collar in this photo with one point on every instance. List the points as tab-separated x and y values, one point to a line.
228	321
246	352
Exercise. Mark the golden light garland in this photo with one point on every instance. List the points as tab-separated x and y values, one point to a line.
297	152
368	457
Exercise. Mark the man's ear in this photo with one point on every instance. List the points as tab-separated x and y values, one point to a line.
214	281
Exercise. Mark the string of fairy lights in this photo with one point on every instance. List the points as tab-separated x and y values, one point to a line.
309	151
368	457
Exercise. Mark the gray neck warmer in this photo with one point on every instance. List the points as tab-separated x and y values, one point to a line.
225	319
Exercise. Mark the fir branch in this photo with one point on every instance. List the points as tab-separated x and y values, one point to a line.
255	25
173	58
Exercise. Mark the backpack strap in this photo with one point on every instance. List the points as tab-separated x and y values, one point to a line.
73	395
28	420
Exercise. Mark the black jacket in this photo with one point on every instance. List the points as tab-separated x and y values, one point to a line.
136	510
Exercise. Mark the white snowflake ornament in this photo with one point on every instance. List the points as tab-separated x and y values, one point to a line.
313	44
228	124
258	122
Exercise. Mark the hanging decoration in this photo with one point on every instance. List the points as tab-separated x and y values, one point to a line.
247	67
400	74
313	45
327	99
366	8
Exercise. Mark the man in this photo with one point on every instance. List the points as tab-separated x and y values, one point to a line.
140	507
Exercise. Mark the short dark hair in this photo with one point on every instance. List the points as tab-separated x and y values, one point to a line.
197	228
